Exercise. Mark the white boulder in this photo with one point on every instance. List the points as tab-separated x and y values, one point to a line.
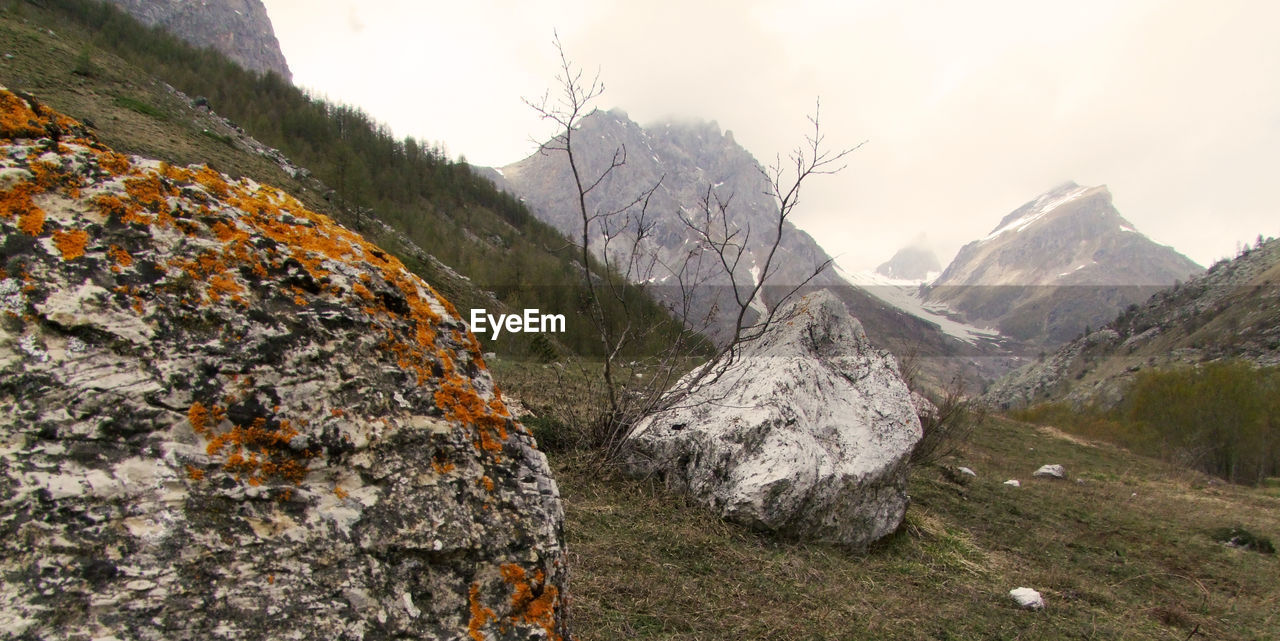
1051	472
1027	598
966	471
808	434
1013	483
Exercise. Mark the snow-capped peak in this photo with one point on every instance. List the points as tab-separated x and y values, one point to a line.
1043	206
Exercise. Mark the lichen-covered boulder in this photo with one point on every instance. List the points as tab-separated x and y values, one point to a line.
807	434
224	416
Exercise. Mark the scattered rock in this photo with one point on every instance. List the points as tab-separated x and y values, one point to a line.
226	416
808	434
1027	598
1013	483
1242	539
1051	472
967	472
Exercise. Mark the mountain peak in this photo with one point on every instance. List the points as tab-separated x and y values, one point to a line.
1051	202
1040	254
240	29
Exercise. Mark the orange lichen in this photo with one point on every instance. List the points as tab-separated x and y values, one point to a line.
538	610
195	473
19	120
71	243
117	164
201	418
17	202
31	222
339	492
442	466
258	452
147	191
120	255
460	403
480	615
362	291
486	483
212	182
223	285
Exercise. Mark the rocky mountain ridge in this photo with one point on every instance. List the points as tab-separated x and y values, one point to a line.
240	29
1056	265
1232	311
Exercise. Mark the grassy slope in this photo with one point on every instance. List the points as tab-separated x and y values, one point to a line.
1124	554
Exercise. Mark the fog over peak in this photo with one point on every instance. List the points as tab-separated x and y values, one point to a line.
969	110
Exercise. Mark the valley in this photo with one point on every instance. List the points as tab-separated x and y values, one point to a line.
269	370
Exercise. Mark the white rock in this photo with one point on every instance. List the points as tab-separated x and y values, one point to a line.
1027	598
1013	483
808	434
966	471
1051	471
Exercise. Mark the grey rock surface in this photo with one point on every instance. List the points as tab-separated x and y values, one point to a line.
226	417
808	434
240	29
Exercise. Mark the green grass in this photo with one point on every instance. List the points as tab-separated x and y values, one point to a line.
138	106
1129	553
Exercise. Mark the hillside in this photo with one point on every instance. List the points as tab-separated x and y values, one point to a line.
1058	264
146	92
1231	311
1124	548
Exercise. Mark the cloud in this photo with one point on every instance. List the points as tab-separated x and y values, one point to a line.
969	109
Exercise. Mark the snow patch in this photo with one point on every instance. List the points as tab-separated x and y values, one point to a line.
1042	207
903	294
1077	268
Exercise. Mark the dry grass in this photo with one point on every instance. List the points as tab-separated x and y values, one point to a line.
1125	553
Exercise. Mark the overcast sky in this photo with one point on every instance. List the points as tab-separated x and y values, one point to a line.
969	108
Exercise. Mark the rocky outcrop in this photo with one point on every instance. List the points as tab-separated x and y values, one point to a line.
240	29
225	416
808	434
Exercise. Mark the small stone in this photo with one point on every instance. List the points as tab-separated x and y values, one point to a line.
1051	471
1013	483
1027	598
966	471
